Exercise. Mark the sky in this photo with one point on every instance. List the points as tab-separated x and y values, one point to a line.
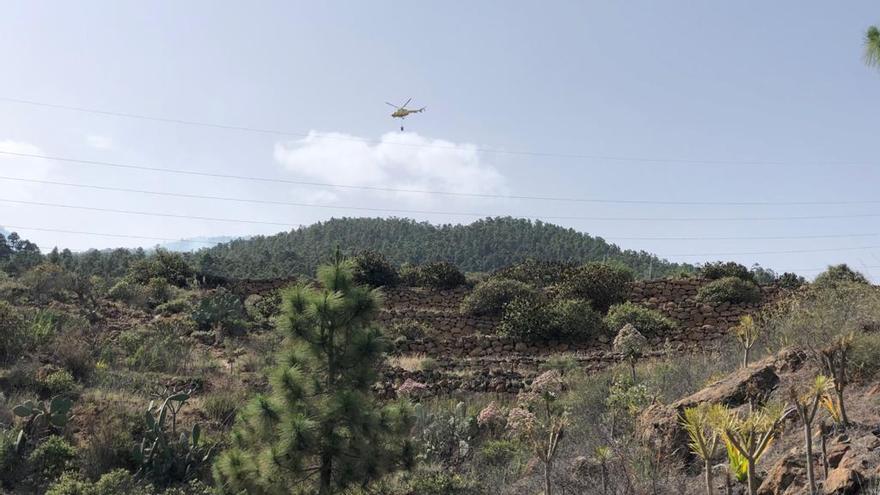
643	104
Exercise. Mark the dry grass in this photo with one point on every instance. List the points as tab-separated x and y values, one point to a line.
413	362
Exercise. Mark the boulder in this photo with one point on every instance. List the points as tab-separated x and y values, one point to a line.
660	424
787	476
842	481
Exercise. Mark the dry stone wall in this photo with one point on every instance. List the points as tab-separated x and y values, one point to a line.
471	356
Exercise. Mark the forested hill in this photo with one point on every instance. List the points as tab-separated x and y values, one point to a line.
484	245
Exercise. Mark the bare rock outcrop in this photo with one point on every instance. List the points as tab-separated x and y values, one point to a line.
660	424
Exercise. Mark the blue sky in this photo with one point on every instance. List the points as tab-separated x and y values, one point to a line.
737	101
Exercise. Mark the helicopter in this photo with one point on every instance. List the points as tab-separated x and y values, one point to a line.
401	112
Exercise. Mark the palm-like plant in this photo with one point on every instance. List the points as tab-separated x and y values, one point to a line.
806	403
872	47
751	435
746	334
700	423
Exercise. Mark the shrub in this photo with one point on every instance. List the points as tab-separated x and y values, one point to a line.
441	483
73	351
648	321
58	382
440	275
490	297
163	264
538	273
154	349
263	307
839	274
118	481
574	320
219	310
499	452
373	268
221	407
46	281
13	333
565	319
721	269
52	457
526	319
603	284
790	280
130	293
409	329
173	307
109	440
158	291
731	290
865	356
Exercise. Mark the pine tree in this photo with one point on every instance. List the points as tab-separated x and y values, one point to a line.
320	430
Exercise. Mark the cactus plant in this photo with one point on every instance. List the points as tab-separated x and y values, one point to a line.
163	454
42	417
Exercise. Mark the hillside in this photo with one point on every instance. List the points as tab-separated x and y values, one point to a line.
484	245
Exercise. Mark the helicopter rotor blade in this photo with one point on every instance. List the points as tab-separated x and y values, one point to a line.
405	104
392	104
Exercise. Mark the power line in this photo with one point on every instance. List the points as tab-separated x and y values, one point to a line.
166	239
286	203
792	251
215	175
452	213
102	234
300	134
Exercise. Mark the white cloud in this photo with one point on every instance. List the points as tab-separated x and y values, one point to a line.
99	142
397	160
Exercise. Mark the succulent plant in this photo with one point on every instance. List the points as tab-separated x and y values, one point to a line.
162	453
41	417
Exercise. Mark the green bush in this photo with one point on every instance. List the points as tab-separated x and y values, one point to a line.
440	275
58	382
14	337
221	309
173	307
263	307
46	281
538	273
130	293
732	290
441	483
499	452
564	319
526	319
373	268
51	458
722	269
574	320
790	281
154	349
116	482
163	264
865	356
490	297
839	274
603	284
647	321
